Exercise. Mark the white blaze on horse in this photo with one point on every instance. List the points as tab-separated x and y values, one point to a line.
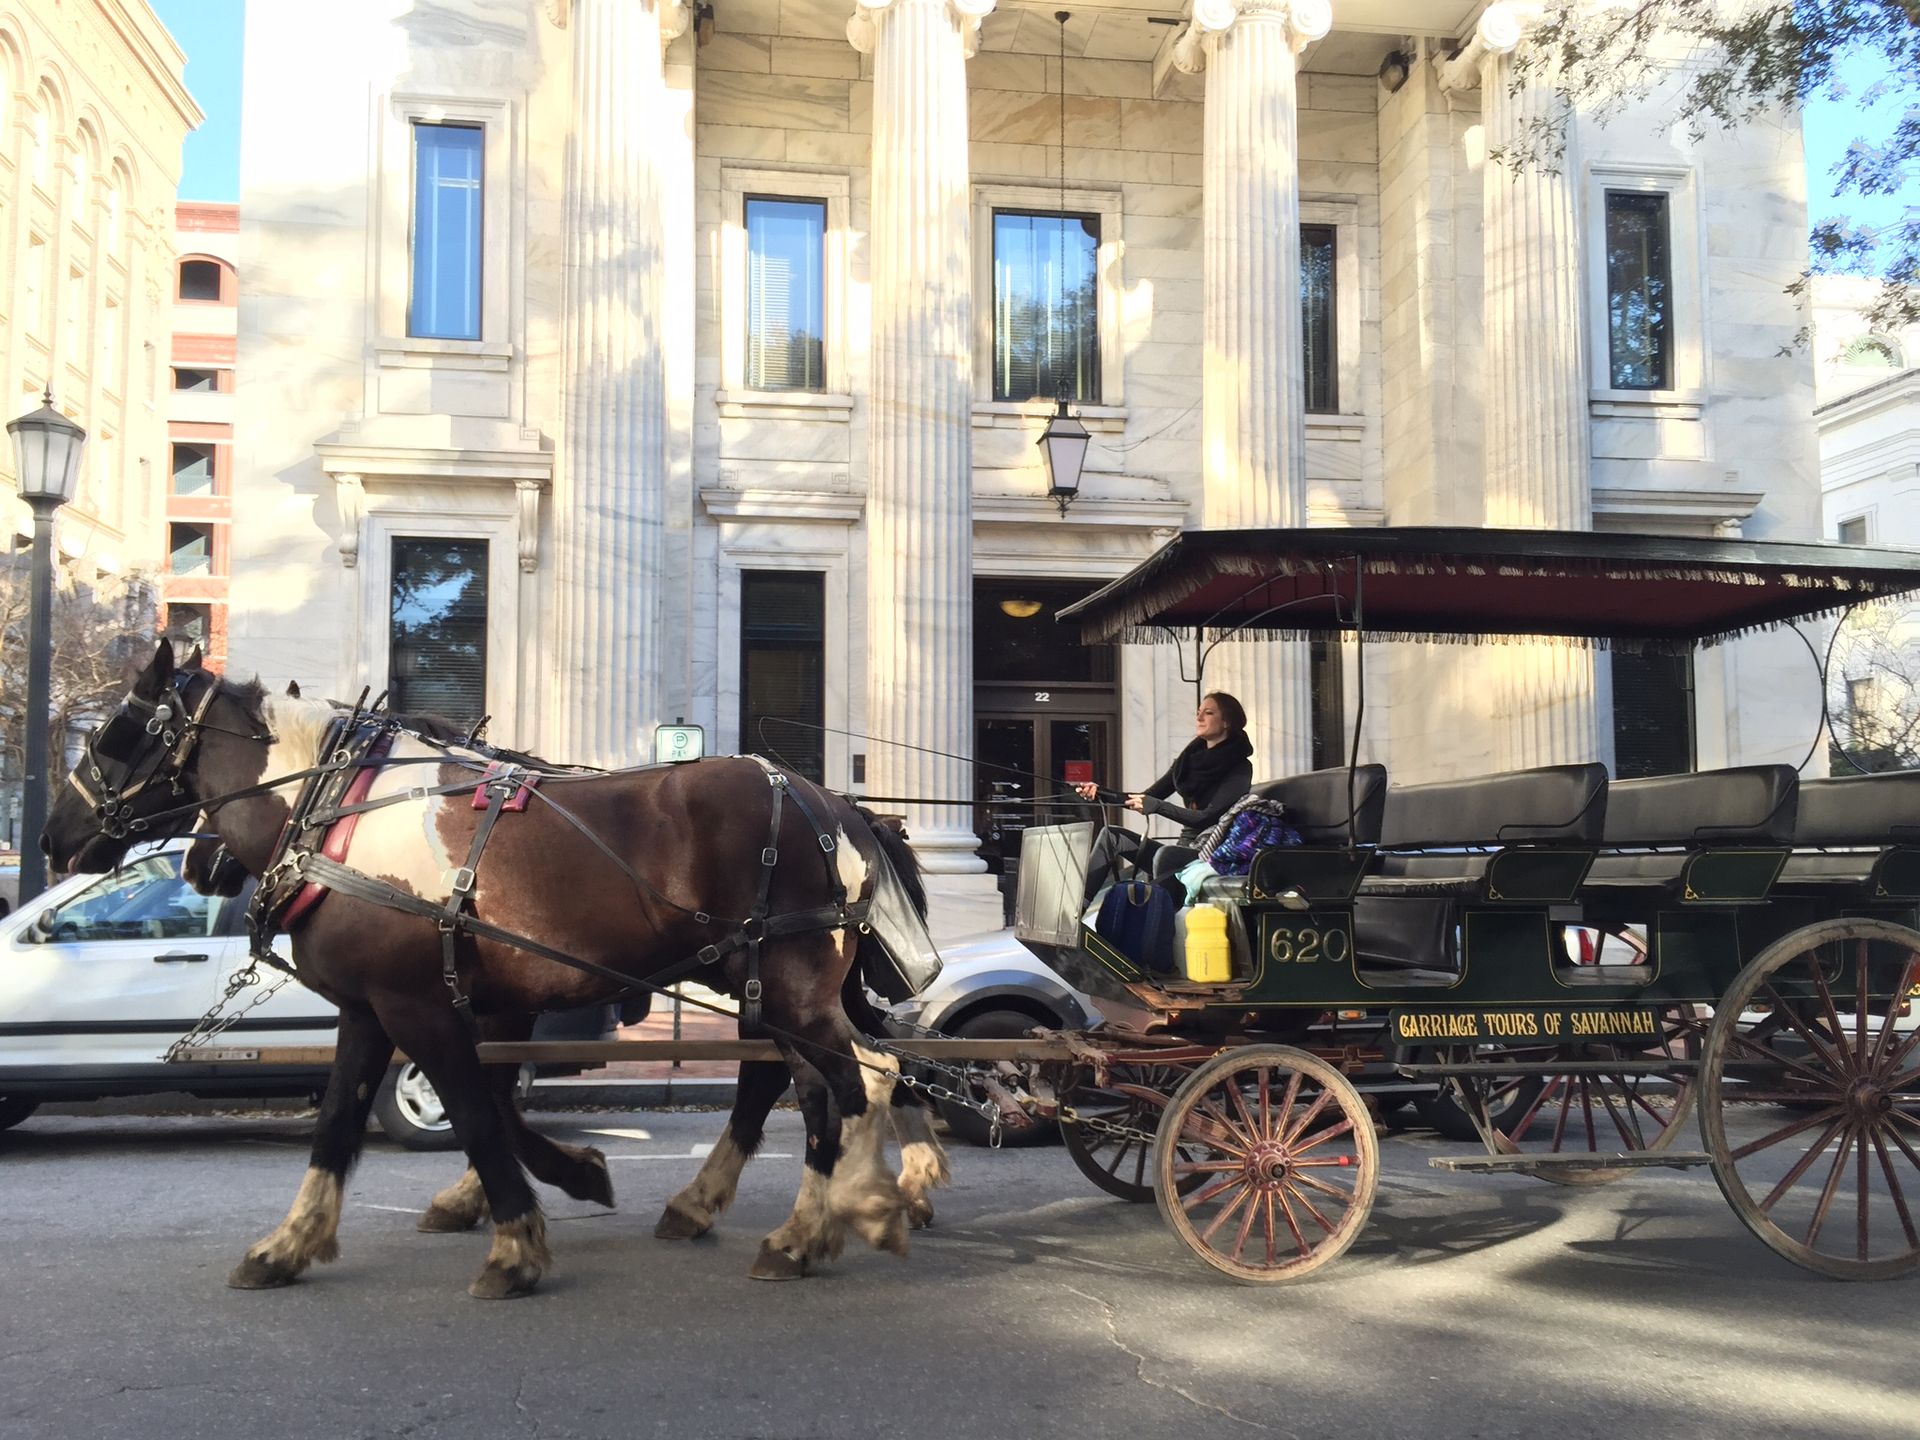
441	902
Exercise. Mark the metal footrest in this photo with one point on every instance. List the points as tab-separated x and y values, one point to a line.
1563	1163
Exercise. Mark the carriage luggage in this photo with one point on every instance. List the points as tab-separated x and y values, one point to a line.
1136	918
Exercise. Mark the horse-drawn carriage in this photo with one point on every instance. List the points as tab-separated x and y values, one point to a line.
1583	963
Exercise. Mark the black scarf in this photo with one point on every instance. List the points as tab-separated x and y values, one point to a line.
1201	767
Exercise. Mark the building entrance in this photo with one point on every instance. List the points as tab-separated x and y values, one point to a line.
1046	710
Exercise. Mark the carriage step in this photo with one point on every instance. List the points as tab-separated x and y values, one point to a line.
1562	1164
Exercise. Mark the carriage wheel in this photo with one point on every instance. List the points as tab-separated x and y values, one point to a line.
1589	1113
1810	1098
1287	1159
1118	1164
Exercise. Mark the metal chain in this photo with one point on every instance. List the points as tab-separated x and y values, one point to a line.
1071	1116
213	1023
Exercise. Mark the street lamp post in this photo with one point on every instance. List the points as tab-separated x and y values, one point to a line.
46	454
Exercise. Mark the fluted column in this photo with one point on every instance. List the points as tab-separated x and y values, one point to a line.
920	421
1254	425
1538	466
610	493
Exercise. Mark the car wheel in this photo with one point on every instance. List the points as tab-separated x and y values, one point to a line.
410	1112
969	1125
14	1109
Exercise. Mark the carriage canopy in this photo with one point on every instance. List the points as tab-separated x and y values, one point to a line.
1440	583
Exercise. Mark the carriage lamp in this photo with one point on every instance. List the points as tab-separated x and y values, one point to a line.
1064	443
46	466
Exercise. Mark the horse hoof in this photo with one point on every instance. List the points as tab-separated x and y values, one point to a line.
437	1220
504	1282
920	1214
599	1181
678	1225
771	1264
256	1272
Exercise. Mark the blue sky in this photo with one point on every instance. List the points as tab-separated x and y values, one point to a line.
210	32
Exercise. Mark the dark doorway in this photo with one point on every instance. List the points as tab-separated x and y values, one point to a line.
1652	714
1046	710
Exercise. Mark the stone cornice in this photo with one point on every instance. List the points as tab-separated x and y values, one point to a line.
1305	20
724	502
425	463
1896	390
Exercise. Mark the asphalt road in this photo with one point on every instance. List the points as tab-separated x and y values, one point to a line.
1472	1307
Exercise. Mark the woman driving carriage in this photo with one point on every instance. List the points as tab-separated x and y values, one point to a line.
1214	771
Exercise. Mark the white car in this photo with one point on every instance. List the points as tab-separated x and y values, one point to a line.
102	973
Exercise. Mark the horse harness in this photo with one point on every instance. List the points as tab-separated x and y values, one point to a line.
309	861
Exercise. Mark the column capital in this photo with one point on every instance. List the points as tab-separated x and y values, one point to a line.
863	26
1502	27
675	16
1305	20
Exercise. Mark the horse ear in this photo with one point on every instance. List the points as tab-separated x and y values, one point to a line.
293	689
159	674
195	658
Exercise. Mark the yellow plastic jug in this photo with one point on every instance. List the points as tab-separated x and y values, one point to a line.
1209	956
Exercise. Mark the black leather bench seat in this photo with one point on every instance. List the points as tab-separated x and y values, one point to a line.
1317	803
1860	810
1556	804
1747	805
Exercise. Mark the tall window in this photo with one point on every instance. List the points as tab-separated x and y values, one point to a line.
446	231
199	280
786	282
198	382
1639	290
1046	341
783	649
192	469
1652	714
1319	319
1852	531
437	646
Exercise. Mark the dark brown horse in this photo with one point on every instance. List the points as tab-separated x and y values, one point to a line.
691	835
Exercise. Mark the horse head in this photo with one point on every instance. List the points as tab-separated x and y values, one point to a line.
139	774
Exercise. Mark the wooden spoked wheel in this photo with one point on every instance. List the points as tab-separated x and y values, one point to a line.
1590	1111
1135	1096
1810	1098
1285	1153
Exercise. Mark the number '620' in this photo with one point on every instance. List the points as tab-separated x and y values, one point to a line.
1306	944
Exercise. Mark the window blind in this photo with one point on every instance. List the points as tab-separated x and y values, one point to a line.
437	645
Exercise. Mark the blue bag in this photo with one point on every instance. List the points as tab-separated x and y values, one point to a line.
1136	919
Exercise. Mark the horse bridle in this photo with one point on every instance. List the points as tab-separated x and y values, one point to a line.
111	801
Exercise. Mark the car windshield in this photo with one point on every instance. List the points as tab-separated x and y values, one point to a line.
145	900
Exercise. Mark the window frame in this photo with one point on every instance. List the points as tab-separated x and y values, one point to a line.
747	575
218	374
835	189
992	299
1688	379
1864	519
1035	199
1333	306
401	535
826	224
482	269
393	253
212	450
221	270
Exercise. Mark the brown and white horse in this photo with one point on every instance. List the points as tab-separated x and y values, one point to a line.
694	833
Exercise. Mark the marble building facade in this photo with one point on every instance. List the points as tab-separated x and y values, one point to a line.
93	111
590	443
